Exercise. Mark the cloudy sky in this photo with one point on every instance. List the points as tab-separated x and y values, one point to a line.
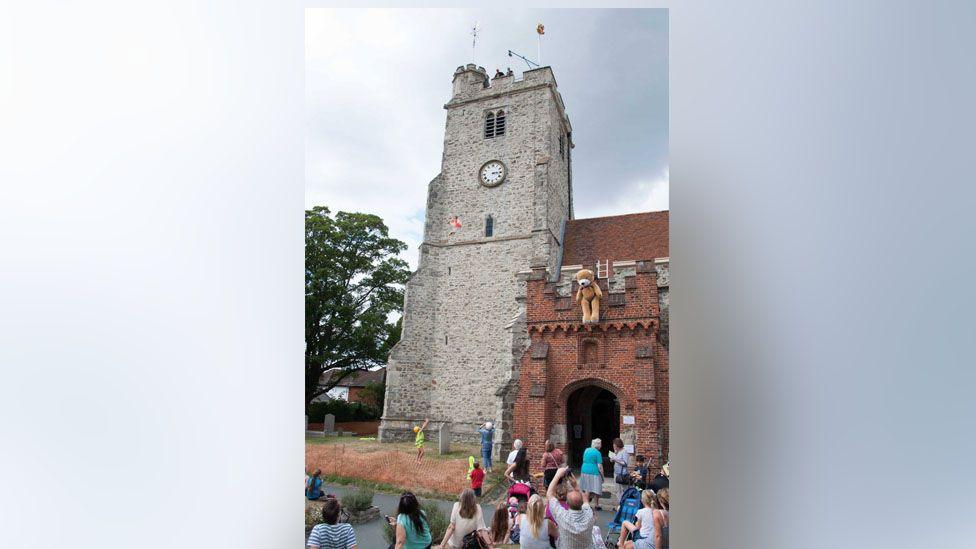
377	80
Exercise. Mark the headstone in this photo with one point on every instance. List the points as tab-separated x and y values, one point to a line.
444	438
329	424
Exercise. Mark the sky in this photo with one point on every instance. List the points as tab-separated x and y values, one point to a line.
376	82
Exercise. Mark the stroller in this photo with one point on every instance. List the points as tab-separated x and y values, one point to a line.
630	503
521	491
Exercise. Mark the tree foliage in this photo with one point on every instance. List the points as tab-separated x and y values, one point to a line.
353	284
373	394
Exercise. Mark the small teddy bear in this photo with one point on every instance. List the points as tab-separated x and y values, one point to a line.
588	296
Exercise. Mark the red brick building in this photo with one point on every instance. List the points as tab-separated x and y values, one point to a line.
606	380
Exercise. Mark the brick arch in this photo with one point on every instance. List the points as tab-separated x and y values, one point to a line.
588	382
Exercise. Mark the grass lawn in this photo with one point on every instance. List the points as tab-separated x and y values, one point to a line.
392	466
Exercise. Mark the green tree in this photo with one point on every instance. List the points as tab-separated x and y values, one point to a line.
353	285
373	394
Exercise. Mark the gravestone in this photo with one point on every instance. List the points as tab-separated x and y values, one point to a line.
444	438
328	427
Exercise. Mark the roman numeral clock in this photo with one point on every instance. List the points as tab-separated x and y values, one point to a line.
492	173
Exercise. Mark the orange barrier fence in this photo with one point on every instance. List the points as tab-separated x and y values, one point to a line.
394	466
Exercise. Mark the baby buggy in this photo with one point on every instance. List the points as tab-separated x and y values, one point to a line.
521	491
630	503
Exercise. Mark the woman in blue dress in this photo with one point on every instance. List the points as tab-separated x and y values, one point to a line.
591	473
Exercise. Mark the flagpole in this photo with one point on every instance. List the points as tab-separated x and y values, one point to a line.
540	30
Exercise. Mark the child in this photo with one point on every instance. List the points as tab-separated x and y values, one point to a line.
477	478
645	523
313	485
419	440
513	510
500	528
639	474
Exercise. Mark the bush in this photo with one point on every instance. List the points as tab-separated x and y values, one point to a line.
343	411
358	501
437	521
313	516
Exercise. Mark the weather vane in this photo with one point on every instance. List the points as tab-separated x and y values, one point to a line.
474	40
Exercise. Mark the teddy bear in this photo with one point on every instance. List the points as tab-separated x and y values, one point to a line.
588	296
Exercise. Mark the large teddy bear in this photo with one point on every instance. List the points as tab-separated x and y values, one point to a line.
588	296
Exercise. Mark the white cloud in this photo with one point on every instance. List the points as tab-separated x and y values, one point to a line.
645	195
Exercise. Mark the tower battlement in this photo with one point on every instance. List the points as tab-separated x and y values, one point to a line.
472	83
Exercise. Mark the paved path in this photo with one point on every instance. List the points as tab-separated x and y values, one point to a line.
370	534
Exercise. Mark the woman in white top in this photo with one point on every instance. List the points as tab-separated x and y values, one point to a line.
466	517
534	528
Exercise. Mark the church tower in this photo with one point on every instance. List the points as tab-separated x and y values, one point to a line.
497	208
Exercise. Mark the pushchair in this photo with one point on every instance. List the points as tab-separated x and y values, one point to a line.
521	491
630	503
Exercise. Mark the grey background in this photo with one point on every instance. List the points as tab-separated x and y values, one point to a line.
822	232
152	185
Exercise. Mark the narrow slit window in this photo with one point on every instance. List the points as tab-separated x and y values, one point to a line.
489	226
562	147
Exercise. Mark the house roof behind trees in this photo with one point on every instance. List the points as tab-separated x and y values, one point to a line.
358	379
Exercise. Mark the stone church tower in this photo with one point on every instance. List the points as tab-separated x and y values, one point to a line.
506	177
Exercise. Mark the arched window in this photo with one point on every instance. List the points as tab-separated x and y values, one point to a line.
494	124
500	123
489	226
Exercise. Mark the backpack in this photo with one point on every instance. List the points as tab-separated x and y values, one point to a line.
473	541
516	533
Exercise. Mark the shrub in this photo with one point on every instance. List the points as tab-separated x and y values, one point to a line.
358	501
342	410
437	521
313	516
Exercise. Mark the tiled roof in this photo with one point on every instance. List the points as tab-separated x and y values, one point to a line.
641	236
361	379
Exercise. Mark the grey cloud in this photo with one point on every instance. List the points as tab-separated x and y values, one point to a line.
376	82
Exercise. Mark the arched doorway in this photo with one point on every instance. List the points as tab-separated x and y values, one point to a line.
591	412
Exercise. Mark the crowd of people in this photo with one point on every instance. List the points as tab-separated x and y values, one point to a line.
560	515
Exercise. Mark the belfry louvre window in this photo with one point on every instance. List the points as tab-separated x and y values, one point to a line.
494	124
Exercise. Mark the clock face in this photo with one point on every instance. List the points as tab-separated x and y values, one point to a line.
492	173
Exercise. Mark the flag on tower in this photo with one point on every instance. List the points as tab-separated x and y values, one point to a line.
540	29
